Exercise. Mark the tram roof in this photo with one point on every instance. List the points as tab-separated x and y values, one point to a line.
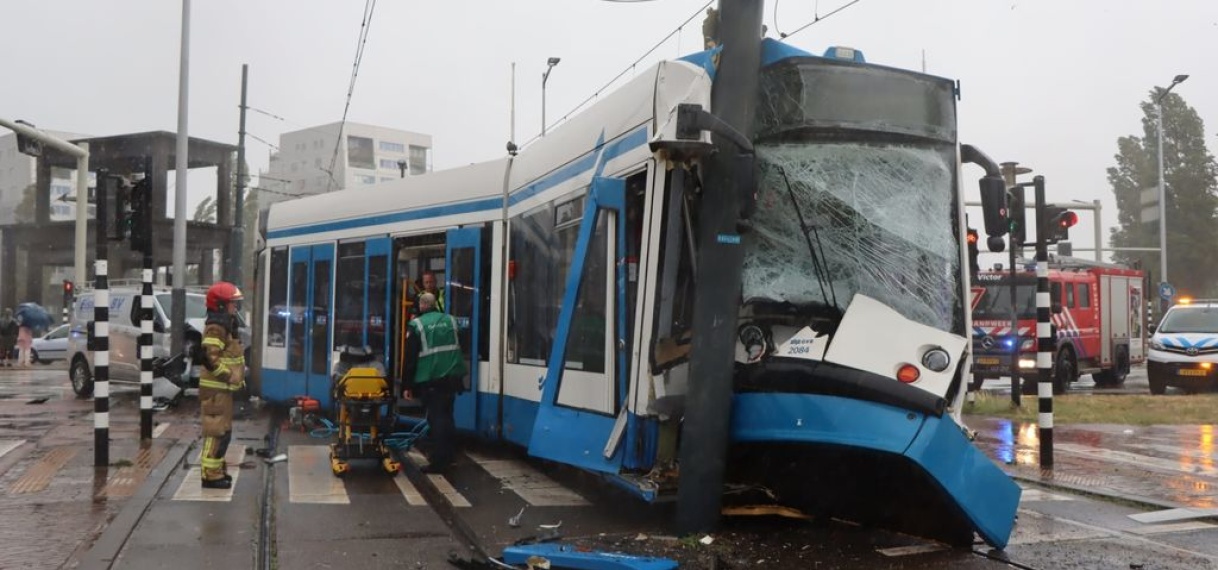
623	118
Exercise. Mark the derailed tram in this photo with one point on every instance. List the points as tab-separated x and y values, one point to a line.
571	268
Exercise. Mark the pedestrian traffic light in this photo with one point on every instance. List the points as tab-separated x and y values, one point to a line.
1016	218
69	292
973	266
1058	222
141	215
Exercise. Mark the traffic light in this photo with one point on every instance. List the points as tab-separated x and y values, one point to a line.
973	266
122	209
1016	218
1058	222
141	214
69	292
994	208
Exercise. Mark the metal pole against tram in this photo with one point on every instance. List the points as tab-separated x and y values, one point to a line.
101	327
1046	345
704	433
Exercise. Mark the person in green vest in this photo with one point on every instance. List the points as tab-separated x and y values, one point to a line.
435	373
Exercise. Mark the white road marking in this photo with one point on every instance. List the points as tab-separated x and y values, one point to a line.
1144	461
8	445
1042	495
413	498
446	488
310	479
530	484
1170	515
159	429
1172	527
192	490
914	549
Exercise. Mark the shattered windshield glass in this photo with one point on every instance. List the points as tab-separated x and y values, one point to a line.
882	215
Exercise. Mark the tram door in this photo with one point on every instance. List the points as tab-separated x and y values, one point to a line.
462	300
311	291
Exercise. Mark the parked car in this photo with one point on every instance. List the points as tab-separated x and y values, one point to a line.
51	346
124	325
1184	348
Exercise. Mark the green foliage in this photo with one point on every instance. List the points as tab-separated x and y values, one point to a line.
1191	184
205	211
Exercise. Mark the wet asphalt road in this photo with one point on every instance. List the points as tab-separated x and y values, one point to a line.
1056	529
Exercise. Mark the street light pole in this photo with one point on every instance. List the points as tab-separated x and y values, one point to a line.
1162	186
550	63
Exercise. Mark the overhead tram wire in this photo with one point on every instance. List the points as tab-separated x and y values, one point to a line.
597	93
365	25
261	140
815	21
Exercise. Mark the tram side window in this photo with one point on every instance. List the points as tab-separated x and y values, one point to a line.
349	305
378	294
675	295
586	342
277	300
298	313
532	310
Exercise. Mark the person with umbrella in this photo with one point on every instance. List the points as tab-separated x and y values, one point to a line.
31	317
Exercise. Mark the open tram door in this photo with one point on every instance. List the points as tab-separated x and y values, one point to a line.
589	436
463	293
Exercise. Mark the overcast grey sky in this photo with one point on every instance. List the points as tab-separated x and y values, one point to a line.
1048	83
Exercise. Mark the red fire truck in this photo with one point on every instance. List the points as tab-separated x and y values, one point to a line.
1098	316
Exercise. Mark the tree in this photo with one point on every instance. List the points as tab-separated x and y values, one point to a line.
1191	190
24	212
205	211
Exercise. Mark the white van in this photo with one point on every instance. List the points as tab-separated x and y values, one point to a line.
125	336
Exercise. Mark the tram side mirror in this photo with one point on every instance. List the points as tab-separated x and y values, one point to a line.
994	208
158	325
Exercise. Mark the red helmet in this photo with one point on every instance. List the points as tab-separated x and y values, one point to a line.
221	294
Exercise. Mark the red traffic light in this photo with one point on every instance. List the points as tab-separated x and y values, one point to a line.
973	237
1067	219
67	286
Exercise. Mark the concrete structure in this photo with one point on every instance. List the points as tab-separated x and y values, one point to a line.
367	154
37	253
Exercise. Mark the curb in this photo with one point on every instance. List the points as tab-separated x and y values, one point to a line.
1135	500
107	547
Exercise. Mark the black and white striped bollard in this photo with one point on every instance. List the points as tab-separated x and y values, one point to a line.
1045	343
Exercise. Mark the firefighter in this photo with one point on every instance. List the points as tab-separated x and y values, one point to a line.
223	373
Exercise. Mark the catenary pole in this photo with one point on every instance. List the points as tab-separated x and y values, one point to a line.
704	432
181	166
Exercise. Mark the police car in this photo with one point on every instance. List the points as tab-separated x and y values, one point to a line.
1184	348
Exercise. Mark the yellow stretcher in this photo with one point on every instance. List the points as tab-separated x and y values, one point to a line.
364	402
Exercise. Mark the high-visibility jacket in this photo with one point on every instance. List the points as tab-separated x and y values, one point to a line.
440	353
223	359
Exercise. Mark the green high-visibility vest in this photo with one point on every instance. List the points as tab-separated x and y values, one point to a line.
441	354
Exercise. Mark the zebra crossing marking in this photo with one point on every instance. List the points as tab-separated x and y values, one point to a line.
530	484
413	498
454	497
310	479
191	490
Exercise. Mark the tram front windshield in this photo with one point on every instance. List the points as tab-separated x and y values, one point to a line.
856	191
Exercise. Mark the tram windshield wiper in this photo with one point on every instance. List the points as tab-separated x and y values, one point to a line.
815	252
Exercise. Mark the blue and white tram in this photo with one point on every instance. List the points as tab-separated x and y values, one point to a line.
571	268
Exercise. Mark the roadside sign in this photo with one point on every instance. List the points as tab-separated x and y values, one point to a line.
1166	291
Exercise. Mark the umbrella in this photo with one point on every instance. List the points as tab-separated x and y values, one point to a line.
33	316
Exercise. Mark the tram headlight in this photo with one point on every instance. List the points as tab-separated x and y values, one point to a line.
936	359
